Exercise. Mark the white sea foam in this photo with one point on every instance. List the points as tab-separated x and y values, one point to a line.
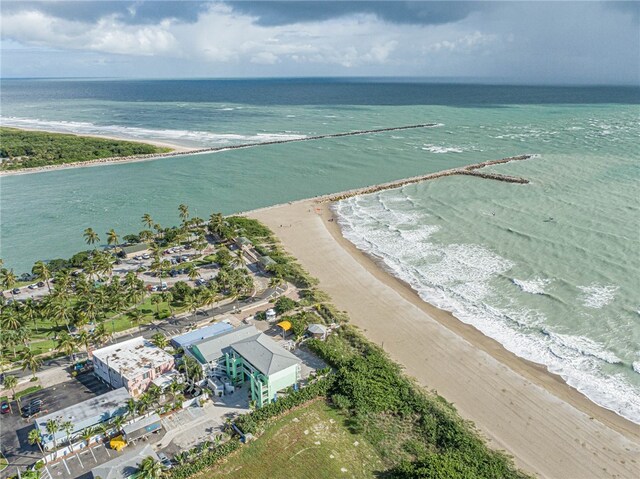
189	137
461	278
442	149
636	366
532	286
597	296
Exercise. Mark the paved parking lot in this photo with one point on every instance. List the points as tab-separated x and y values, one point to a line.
14	429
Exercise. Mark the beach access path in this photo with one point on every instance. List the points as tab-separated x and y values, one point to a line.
550	429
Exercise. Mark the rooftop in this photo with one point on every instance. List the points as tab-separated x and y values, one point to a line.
211	349
123	466
192	337
105	404
265	354
144	423
133	357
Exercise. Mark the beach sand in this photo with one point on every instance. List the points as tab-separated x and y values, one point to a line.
550	429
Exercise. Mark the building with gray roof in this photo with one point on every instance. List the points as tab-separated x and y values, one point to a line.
246	354
89	413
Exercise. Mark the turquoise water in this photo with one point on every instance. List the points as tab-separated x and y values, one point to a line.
549	269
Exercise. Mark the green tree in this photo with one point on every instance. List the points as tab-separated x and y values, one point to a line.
67	427
136	317
66	344
112	237
160	340
147	220
42	272
216	223
53	426
8	278
193	273
10	382
90	236
157	300
184	212
88	433
150	468
30	361
34	438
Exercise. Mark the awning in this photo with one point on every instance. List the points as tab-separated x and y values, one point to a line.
285	325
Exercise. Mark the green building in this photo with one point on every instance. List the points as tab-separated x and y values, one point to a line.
245	354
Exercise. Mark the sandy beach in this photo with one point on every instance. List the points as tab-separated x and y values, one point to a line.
550	429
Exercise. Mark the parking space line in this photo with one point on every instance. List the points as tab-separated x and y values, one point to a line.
94	456
65	466
80	460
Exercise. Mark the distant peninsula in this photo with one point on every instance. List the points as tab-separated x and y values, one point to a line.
28	149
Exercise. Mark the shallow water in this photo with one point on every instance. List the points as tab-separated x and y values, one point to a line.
549	269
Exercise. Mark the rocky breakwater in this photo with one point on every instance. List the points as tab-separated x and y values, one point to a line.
470	170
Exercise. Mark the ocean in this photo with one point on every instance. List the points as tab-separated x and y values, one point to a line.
549	269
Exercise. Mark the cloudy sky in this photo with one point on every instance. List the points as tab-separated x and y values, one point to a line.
531	42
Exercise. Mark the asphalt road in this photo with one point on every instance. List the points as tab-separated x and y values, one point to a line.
169	327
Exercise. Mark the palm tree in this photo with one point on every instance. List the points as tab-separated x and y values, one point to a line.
192	302
11	319
88	433
31	312
100	334
66	344
112	237
156	299
42	272
132	407
150	468
8	278
147	220
30	361
104	428
238	259
216	223
193	273
90	236
160	340
84	338
276	281
184	212
10	382
182	458
67	427
53	426
174	388
117	423
136	317
35	438
167	297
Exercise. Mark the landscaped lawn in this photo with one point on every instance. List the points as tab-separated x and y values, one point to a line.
308	443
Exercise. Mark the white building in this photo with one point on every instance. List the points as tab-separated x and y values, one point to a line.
132	364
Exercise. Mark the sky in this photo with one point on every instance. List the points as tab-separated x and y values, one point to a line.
503	42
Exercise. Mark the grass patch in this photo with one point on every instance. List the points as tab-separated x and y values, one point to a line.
3	462
309	442
26	392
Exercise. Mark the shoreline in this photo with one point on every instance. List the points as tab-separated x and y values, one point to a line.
550	428
184	151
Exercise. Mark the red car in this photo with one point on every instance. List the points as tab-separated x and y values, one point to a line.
5	408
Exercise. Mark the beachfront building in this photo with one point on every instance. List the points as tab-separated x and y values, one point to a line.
245	354
185	340
132	364
265	262
125	466
89	413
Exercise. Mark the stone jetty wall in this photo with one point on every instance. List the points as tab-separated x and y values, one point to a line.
154	156
466	170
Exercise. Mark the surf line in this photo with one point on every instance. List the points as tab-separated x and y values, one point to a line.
470	170
153	156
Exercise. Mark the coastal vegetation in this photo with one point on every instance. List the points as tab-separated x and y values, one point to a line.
33	149
402	430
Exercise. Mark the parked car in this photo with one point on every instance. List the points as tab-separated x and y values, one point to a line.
5	408
40	284
164	460
163	286
33	286
16	291
29	412
145	256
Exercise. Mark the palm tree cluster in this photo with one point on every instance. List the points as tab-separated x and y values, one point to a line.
74	302
92	294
